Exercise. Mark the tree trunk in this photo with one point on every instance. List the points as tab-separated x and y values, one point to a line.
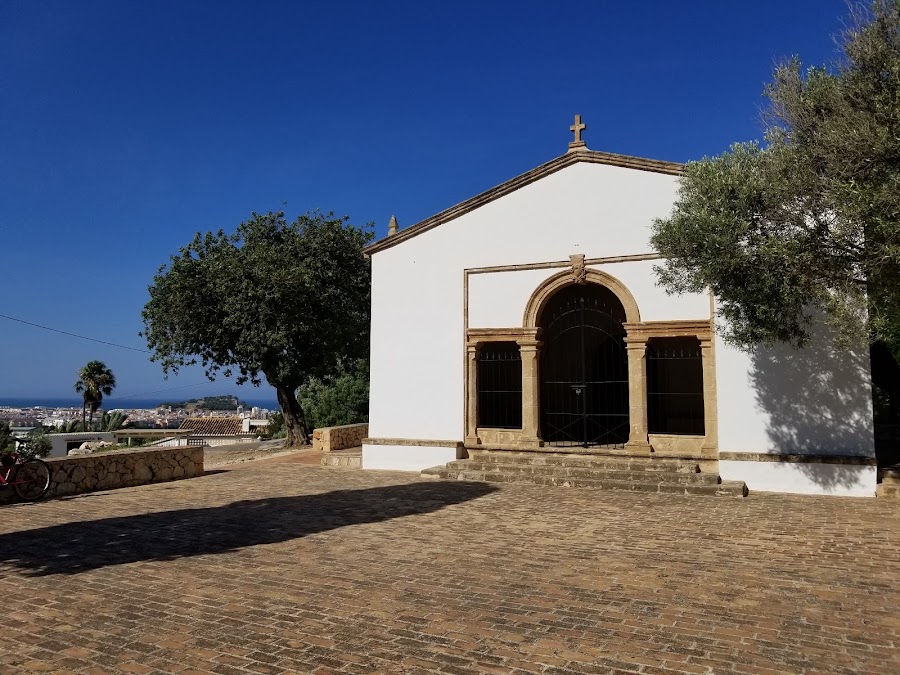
91	418
84	416
294	419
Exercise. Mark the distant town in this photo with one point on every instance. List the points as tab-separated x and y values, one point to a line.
168	415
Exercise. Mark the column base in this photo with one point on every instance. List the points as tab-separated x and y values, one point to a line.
709	451
639	448
472	440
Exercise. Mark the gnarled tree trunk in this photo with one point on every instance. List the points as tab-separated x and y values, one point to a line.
294	419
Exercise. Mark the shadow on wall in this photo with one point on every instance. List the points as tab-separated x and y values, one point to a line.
81	546
819	401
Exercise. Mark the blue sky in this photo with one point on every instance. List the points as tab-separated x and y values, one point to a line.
127	126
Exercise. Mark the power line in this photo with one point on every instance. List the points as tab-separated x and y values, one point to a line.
82	337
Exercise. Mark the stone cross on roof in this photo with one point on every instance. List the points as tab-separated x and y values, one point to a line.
577	128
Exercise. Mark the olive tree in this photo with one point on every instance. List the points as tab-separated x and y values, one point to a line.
275	300
808	221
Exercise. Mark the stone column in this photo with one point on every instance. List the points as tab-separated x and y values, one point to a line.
472	394
710	447
638	443
530	351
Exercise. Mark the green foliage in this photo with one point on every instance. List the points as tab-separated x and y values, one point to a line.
38	445
4	435
284	301
342	398
809	222
94	380
71	426
275	427
113	421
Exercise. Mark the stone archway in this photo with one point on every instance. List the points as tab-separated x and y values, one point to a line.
583	368
559	281
637	438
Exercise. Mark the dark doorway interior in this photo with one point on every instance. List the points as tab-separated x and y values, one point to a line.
675	386
584	368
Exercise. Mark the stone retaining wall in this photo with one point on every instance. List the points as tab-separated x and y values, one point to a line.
330	439
118	468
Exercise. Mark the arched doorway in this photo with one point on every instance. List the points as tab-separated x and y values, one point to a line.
584	368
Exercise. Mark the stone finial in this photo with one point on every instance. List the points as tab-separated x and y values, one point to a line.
576	129
393	228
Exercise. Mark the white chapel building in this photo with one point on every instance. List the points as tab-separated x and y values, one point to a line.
527	319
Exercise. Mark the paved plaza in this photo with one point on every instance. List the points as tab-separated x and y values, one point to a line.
279	566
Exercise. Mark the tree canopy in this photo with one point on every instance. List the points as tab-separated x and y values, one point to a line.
808	221
340	398
284	301
94	380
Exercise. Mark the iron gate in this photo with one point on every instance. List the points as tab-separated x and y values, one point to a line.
584	368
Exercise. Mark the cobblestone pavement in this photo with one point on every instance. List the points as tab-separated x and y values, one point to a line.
281	567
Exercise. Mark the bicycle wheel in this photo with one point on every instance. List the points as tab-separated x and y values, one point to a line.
31	480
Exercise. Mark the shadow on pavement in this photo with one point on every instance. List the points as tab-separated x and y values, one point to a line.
76	547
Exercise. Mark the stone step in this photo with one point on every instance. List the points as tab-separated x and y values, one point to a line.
564	472
345	458
726	488
889	475
888	490
584	461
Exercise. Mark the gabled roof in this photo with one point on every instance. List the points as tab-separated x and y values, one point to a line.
213	426
554	165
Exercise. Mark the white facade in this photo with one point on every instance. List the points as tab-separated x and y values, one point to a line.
467	272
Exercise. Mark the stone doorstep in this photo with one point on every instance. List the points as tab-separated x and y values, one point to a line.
565	472
889	474
350	458
726	488
887	490
888	482
592	461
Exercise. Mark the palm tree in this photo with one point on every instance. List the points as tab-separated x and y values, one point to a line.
94	380
113	421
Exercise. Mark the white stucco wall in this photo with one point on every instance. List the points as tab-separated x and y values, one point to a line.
418	341
808	478
498	299
816	400
60	442
404	457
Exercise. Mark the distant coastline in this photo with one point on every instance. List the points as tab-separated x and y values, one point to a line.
110	403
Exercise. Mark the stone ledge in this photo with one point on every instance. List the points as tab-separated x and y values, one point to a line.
412	442
850	460
349	458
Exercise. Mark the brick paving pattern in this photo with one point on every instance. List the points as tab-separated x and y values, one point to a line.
283	567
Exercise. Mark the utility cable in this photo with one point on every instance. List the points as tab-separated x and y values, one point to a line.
82	337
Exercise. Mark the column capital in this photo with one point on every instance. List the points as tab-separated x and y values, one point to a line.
529	345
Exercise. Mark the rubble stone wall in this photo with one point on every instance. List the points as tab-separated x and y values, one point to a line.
330	439
118	468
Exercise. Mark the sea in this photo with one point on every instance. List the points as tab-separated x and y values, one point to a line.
112	403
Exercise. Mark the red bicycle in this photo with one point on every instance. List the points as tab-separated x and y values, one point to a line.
30	478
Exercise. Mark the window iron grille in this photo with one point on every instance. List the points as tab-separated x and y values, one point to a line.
499	386
675	386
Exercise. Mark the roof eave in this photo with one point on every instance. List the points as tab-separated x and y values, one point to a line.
554	165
